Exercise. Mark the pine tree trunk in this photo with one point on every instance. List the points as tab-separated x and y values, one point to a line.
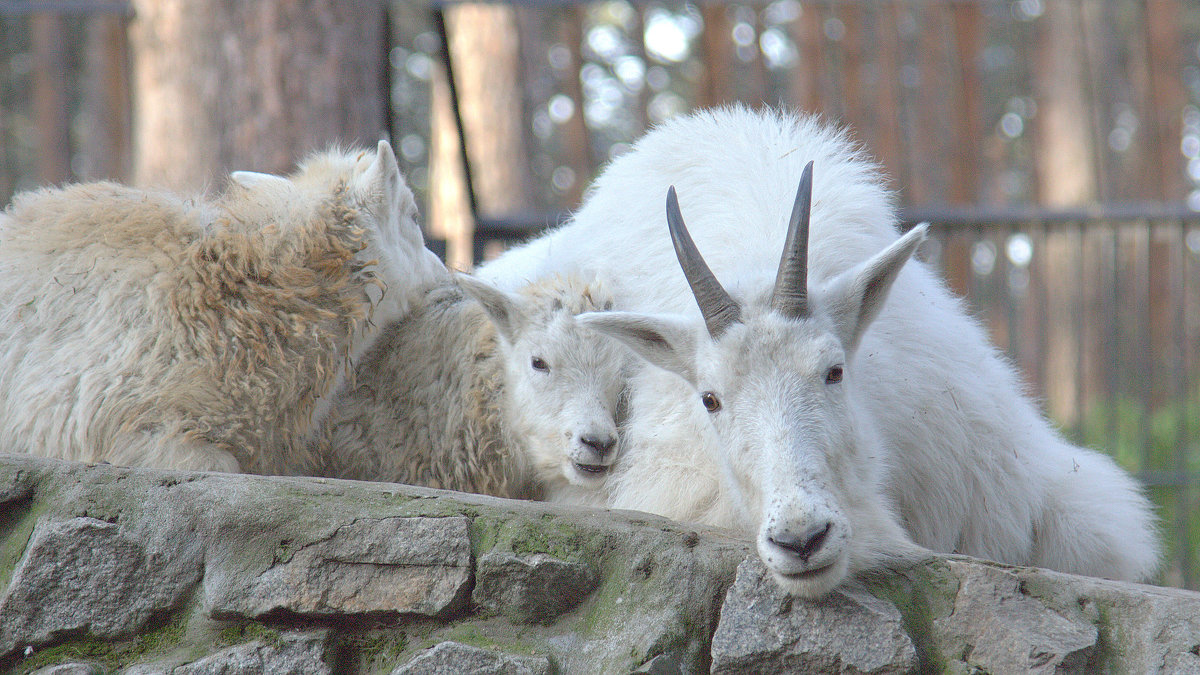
223	85
1066	176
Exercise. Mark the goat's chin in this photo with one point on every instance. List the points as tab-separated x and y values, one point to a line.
815	583
585	476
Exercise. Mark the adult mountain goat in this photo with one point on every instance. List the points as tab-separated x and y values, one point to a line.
142	328
481	390
842	404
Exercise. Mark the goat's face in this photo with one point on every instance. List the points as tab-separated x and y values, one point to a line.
564	384
369	187
776	379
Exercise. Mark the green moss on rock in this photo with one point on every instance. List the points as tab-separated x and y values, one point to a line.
922	594
375	652
90	650
240	632
17	522
524	536
112	654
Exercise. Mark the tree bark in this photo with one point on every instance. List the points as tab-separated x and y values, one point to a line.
483	43
48	37
1066	169
223	85
449	210
105	145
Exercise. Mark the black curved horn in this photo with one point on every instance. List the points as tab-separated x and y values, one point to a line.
790	296
719	309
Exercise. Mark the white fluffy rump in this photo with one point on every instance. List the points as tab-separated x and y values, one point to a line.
144	328
960	459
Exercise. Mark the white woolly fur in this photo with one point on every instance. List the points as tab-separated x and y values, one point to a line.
145	328
481	390
929	439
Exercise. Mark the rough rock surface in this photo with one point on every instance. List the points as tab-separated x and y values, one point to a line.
763	630
302	654
403	565
453	658
124	583
998	629
137	572
534	588
70	669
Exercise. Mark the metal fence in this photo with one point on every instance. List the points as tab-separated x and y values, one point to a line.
1100	311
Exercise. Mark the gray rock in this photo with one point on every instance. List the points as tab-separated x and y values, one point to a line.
148	669
1143	628
84	575
534	588
660	593
453	658
763	630
70	669
295	654
334	550
14	485
999	629
660	665
394	565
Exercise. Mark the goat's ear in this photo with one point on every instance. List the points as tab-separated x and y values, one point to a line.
505	309
666	341
382	178
855	297
253	179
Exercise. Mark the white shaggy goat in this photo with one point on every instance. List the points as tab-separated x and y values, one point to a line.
142	328
835	445
481	390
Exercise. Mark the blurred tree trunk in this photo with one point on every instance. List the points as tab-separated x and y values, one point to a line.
810	81
1066	166
486	53
48	39
486	56
223	85
105	151
1165	117
449	216
717	50
1167	96
1066	169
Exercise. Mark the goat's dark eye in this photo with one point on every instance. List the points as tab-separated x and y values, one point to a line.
834	375
711	403
539	364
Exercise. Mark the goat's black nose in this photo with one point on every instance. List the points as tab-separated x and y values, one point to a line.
601	444
807	543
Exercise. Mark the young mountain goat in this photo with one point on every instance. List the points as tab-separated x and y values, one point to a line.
834	445
141	328
486	391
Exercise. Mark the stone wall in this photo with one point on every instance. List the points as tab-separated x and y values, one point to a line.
104	569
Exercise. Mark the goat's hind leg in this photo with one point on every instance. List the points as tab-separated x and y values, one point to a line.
171	450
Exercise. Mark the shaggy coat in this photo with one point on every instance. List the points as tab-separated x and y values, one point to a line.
965	461
447	398
142	328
